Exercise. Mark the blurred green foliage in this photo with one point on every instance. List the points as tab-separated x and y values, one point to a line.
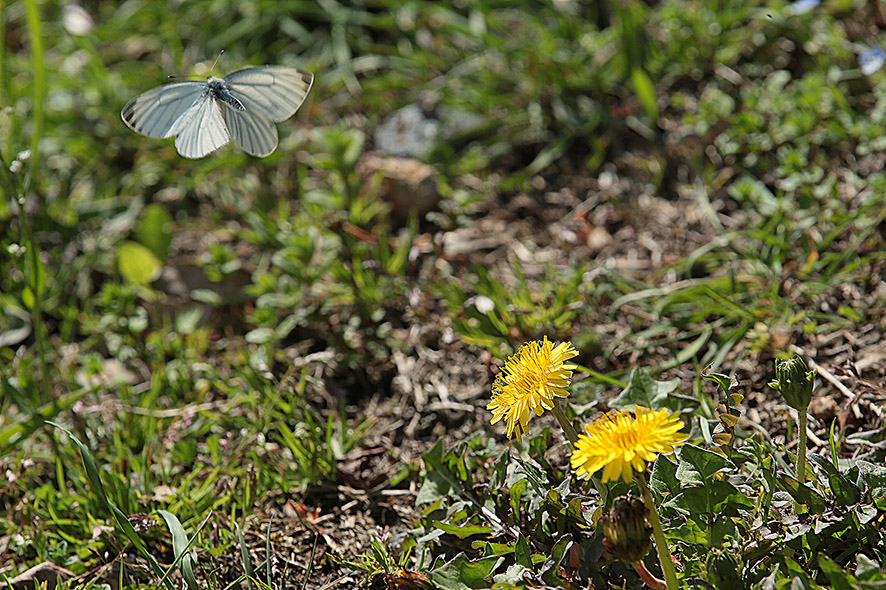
169	310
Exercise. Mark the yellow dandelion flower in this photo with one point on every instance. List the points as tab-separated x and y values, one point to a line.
529	382
621	442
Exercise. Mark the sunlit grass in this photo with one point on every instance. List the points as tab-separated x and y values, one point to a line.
245	381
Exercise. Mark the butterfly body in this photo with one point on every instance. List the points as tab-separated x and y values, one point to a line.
205	115
218	89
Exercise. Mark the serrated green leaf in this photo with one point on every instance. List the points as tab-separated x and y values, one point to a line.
522	555
724	382
513	575
698	466
515	494
710	498
463	531
435	485
663	478
460	573
873	478
488	548
500	472
643	390
803	494
845	492
840	580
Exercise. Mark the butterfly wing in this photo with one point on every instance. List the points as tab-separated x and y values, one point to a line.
256	134
274	92
200	129
156	112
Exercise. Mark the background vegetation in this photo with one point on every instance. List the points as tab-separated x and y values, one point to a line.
291	364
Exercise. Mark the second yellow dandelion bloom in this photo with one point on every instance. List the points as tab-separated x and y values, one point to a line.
529	382
621	442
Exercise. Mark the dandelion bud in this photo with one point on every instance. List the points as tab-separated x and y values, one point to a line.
628	533
794	381
722	569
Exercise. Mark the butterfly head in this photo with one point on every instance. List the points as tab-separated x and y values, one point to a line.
219	90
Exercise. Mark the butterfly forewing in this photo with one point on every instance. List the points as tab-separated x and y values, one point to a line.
155	112
275	92
205	115
254	133
201	129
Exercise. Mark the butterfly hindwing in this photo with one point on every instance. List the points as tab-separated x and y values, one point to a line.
200	130
254	133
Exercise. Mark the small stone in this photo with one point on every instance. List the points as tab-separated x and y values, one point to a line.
405	183
407	132
46	572
597	239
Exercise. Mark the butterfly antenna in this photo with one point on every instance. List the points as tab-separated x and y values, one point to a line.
216	61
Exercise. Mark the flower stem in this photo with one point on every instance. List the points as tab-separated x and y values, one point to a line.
801	453
572	435
648	577
661	545
565	424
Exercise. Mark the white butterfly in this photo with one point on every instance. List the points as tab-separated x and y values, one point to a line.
204	115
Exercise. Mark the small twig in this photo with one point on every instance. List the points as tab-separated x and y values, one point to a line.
831	378
171	413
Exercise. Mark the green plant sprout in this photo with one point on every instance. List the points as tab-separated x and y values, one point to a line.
794	381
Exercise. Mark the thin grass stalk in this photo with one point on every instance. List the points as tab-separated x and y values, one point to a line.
38	65
32	261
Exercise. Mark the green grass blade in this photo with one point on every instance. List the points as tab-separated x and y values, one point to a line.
38	64
268	552
244	556
98	489
645	91
14	433
600	377
181	548
310	563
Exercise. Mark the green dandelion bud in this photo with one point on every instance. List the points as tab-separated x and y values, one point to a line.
794	380
628	533
722	569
